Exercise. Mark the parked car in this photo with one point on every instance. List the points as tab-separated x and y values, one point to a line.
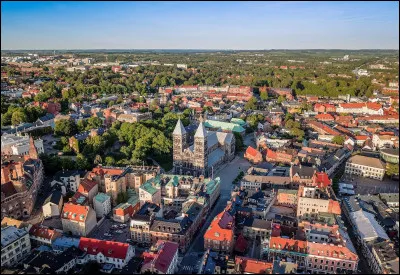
107	234
119	231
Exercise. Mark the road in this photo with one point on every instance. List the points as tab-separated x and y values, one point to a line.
227	174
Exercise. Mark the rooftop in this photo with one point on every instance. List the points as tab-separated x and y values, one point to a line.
367	161
10	234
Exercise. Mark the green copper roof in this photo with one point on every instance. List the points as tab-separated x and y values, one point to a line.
238	121
101	197
226	126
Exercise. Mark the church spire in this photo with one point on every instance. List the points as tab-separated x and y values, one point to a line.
179	128
201	131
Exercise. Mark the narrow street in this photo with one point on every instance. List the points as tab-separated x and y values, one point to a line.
227	174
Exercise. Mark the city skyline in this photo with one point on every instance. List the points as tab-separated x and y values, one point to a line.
199	25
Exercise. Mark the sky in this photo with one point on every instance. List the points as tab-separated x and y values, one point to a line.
199	25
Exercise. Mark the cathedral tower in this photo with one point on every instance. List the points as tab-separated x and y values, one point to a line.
201	149
179	141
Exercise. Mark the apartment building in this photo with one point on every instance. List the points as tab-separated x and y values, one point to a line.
365	167
42	235
385	141
21	178
68	178
219	235
19	145
15	245
78	219
102	204
257	228
314	257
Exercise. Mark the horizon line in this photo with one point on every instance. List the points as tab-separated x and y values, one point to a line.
192	49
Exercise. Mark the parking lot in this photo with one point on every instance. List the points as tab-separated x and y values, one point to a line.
48	144
112	234
365	186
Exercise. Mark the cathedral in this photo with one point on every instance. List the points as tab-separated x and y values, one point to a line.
210	150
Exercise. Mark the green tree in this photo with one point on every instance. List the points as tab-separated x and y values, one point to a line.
281	99
18	117
296	132
94	123
392	169
338	140
82	163
65	127
110	161
251	104
264	95
239	144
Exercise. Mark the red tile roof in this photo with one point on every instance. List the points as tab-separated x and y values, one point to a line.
109	249
161	260
86	185
252	152
324	117
326	250
279	243
321	179
220	228
43	232
253	266
75	212
361	137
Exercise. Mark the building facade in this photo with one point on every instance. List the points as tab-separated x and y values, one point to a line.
15	245
365	167
209	151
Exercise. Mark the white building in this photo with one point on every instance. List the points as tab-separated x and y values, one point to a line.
383	141
15	245
52	205
365	167
19	145
102	204
71	179
105	252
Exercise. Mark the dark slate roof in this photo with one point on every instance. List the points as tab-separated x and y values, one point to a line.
304	171
54	197
172	226
46	117
52	260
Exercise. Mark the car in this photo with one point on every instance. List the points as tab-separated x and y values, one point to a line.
119	231
107	234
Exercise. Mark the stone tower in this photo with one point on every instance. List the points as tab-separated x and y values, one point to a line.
201	149
179	141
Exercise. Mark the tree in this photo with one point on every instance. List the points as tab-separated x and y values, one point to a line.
264	95
239	144
110	161
18	117
392	169
94	123
65	127
281	99
82	162
251	104
338	140
122	197
296	132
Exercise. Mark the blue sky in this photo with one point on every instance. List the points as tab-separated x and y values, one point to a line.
200	25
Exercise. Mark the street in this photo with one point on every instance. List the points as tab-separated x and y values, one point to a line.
227	174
